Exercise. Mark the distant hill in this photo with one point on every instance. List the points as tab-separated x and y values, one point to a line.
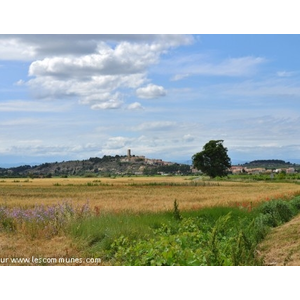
95	166
269	164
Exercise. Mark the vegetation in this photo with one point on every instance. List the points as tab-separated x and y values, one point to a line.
147	221
269	177
179	169
269	164
213	159
214	236
106	166
144	194
125	219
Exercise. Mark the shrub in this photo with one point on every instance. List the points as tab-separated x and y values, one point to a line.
295	202
285	210
276	212
261	226
194	241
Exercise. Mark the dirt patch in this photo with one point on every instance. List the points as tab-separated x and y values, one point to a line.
282	245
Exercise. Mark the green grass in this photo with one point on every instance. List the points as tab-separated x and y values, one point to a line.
97	233
107	235
211	236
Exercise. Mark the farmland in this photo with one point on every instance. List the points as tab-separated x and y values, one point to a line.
140	194
94	216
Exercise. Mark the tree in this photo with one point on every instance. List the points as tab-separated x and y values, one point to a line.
213	159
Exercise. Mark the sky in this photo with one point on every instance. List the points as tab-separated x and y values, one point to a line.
72	97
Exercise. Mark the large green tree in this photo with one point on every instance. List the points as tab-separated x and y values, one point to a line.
213	159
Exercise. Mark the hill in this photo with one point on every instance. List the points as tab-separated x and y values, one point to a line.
269	164
95	166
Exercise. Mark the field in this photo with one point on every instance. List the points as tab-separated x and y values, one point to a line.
92	217
140	194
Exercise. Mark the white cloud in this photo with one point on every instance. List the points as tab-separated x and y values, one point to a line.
20	82
30	106
124	59
285	74
179	77
20	122
151	91
117	142
38	148
31	47
272	87
14	49
97	78
205	66
111	104
188	138
135	106
90	68
155	125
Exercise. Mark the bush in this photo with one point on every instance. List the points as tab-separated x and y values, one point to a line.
261	226
295	203
193	241
217	236
285	211
276	212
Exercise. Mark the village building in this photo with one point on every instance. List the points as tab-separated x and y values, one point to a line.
141	158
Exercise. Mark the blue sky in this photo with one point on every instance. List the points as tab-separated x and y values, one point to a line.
68	97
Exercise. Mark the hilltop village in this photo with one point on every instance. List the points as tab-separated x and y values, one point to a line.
128	165
106	166
147	161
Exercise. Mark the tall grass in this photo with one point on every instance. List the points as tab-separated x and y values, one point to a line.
97	233
211	236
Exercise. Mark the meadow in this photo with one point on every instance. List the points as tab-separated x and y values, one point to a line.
139	220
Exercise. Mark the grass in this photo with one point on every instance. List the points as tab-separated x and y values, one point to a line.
282	245
136	221
211	236
96	234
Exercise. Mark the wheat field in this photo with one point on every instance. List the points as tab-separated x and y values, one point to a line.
139	194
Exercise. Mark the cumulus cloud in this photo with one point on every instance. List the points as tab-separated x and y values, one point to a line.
31	46
151	91
124	59
111	104
15	49
91	68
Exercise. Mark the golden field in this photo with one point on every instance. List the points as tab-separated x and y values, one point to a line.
140	193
